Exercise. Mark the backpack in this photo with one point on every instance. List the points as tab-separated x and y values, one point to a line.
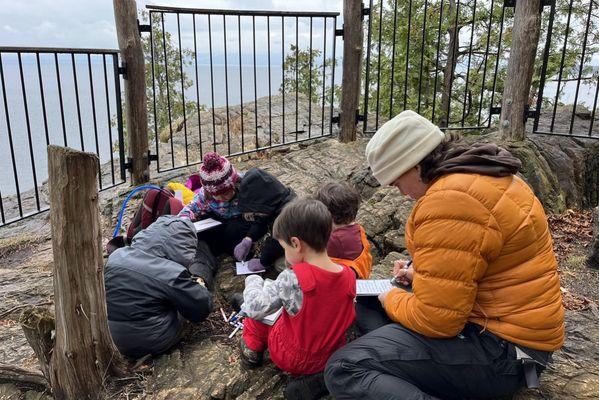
154	204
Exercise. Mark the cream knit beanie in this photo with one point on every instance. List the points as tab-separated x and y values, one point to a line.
401	144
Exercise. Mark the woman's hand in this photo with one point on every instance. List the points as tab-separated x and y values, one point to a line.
403	272
383	296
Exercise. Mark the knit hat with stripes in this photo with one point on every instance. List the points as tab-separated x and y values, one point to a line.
217	174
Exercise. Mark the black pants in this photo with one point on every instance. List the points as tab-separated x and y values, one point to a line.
393	362
223	238
370	315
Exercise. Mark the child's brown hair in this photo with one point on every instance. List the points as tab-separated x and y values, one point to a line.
341	199
307	219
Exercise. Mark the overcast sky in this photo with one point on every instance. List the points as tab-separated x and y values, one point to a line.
90	23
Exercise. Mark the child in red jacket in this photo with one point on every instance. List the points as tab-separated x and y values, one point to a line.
317	296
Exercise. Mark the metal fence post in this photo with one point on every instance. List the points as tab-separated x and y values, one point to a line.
125	15
353	32
525	34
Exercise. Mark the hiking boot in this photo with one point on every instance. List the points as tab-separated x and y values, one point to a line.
307	387
236	301
249	358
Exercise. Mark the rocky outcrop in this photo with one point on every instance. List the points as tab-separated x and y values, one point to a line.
242	128
211	369
383	217
563	172
574	373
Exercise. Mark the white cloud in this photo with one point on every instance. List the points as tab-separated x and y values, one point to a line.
90	23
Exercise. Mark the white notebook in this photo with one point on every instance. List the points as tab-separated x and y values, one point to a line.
372	287
205	224
242	268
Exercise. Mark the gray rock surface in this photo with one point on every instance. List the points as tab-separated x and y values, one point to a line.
242	131
211	369
384	216
563	172
574	373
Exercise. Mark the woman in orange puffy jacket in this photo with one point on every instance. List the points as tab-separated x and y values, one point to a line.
484	314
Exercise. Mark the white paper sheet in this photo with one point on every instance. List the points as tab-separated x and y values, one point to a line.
242	268
372	287
205	224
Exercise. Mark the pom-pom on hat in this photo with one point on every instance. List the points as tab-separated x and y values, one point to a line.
217	174
400	144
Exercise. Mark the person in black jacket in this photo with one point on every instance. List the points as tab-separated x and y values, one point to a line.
261	199
149	290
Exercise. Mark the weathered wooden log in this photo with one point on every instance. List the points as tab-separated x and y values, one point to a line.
84	354
39	328
23	378
127	32
520	68
353	33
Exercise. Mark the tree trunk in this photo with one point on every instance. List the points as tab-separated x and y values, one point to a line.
37	324
525	38
125	15
84	353
352	56
452	59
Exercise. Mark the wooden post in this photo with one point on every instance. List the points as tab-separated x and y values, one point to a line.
353	32
125	16
84	354
525	38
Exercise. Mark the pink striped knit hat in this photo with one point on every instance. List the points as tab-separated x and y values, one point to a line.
217	174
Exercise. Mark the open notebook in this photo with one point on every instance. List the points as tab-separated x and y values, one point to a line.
241	268
205	224
372	287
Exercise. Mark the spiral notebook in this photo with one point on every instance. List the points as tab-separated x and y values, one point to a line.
372	287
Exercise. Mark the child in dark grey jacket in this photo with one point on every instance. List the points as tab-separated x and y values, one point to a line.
149	290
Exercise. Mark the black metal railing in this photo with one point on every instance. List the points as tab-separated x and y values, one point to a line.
441	58
237	82
568	88
69	97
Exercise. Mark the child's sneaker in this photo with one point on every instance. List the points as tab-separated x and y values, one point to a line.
249	358
307	387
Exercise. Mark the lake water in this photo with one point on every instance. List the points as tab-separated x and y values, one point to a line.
80	133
